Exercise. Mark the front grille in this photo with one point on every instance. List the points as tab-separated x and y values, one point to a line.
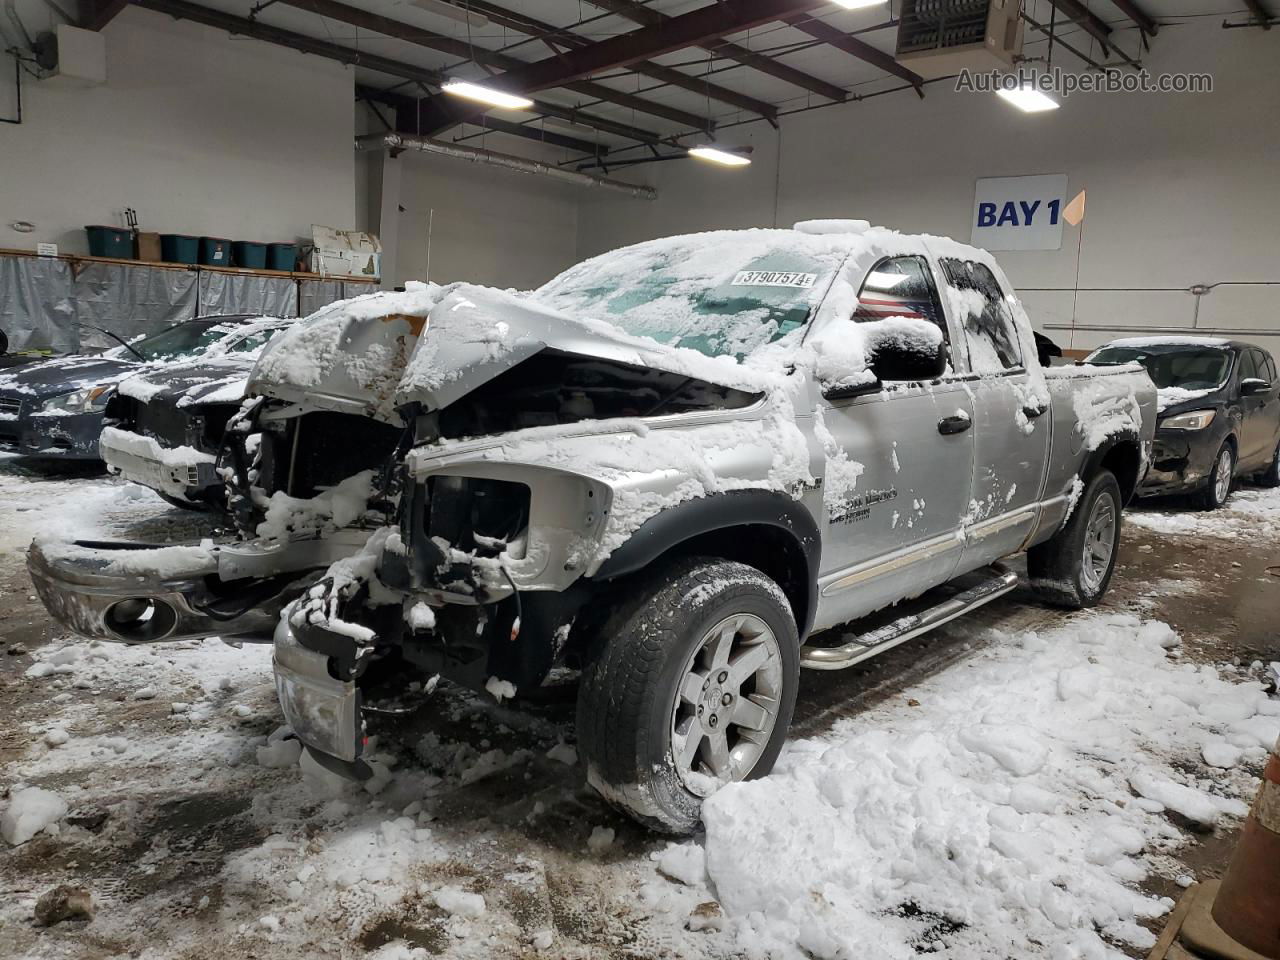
10	405
10	410
163	422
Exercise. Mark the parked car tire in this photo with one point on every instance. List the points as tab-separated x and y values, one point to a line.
1215	493
707	650
1073	568
1270	477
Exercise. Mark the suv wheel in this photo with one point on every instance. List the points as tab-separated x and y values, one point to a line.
1073	568
691	685
1218	488
1270	477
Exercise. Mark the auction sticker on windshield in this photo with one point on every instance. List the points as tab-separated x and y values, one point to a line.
773	278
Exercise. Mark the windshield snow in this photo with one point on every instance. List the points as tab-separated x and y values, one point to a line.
1190	368
728	292
187	339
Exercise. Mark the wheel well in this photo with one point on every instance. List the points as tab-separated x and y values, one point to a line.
1124	460
771	550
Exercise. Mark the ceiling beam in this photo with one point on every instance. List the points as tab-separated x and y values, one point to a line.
645	16
185	10
1259	13
396	29
864	51
671	77
1077	13
1131	10
98	13
405	105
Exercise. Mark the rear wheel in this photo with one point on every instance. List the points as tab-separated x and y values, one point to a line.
1073	568
691	685
1215	492
1270	477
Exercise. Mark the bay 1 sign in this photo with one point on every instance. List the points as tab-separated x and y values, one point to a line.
1019	213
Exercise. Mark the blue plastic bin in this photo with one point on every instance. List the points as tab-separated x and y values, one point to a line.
110	242
215	252
179	248
246	253
281	256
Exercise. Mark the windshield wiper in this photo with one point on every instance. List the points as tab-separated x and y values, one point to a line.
123	343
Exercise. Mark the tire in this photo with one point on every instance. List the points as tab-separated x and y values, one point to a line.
662	640
1270	477
1215	493
1058	568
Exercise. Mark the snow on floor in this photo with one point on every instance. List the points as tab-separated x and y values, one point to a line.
1254	511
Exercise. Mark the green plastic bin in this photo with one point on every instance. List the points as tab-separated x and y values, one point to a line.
110	242
179	248
246	253
215	252
281	256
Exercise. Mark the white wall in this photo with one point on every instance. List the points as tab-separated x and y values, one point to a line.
1181	189
200	133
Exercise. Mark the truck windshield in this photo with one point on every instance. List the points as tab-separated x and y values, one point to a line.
717	293
1188	367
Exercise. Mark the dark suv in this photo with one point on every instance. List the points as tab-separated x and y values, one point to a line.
1219	413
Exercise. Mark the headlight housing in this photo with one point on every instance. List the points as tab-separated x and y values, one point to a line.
88	400
1195	420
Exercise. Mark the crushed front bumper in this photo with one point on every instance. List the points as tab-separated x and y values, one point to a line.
1181	462
144	461
128	593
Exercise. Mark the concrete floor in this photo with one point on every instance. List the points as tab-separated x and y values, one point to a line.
1222	593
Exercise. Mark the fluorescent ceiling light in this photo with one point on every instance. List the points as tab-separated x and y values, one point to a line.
1028	99
723	157
480	94
859	4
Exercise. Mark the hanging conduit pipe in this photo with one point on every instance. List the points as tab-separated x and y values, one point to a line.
404	141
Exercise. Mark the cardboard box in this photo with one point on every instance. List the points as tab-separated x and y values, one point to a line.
345	253
149	247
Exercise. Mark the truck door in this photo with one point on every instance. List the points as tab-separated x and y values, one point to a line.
1010	429
899	480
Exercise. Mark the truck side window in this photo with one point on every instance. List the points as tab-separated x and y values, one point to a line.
900	287
988	321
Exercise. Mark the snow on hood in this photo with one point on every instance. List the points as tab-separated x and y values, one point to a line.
65	374
216	380
1167	397
348	356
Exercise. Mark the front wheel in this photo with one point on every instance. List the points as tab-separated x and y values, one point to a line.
1215	492
691	685
1073	568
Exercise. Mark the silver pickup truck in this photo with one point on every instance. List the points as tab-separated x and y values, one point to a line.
673	468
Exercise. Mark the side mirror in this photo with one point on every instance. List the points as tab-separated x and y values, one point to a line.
906	360
1252	386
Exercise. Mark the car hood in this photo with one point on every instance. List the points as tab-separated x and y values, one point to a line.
51	378
429	346
205	381
1174	400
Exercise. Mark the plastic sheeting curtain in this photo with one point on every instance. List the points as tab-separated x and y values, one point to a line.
51	303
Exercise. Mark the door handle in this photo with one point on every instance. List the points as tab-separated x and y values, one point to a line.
956	424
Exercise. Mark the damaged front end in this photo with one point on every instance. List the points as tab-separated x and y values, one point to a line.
306	482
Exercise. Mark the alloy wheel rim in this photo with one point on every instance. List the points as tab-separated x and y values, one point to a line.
1099	543
1222	480
726	705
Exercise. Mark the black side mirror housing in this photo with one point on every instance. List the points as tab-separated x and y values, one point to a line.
896	361
1252	386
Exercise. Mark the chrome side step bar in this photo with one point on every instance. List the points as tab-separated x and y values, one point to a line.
997	582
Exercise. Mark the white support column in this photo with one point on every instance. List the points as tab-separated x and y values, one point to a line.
389	217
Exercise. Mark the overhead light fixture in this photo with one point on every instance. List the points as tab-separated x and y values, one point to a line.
1028	99
859	4
482	94
716	155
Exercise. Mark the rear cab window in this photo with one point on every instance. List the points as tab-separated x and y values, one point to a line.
984	314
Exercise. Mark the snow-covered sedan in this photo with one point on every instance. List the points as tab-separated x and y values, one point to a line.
1219	413
164	427
53	409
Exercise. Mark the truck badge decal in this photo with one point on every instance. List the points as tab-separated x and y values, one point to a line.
857	506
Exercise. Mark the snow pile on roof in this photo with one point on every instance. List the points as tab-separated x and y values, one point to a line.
1009	814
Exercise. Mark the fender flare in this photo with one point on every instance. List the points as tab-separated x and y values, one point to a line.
1093	463
722	511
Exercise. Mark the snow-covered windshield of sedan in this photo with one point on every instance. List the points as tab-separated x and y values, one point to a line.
717	293
1191	368
187	339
